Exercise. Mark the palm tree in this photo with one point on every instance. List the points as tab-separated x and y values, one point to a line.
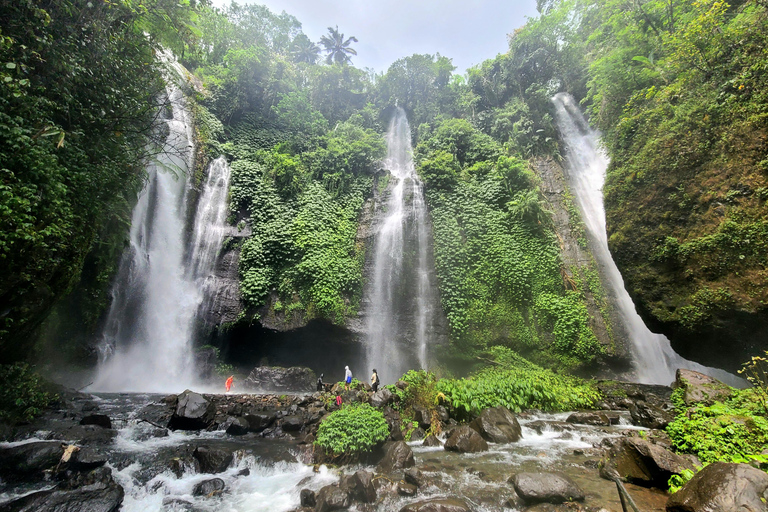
304	50
337	48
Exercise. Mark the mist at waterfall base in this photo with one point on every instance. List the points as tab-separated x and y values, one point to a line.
401	300
164	275
586	163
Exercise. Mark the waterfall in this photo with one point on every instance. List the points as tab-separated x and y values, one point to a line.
402	297
164	275
586	162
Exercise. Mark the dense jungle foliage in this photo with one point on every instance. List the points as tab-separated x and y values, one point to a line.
675	85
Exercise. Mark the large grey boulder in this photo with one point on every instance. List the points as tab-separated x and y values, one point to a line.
546	488
723	487
208	487
331	497
29	460
212	460
643	463
599	419
193	412
650	416
275	378
397	455
497	425
438	505
360	486
700	388
465	439
381	398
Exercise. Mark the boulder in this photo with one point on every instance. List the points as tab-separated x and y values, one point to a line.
464	439
406	489
497	425
417	434
641	462
438	505
397	455
275	378
535	488
589	418
212	460
29	460
258	421
413	476
359	486
292	423
431	440
722	487
86	459
422	416
236	426
331	497
101	420
95	492
307	498
181	465
650	416
89	434
700	388
193	412
381	398
208	487
541	426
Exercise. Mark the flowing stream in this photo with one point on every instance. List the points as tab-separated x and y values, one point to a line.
165	274
402	296
586	163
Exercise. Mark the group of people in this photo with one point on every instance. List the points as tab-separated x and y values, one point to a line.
375	382
320	387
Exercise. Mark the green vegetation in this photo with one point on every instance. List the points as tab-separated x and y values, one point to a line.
354	428
23	394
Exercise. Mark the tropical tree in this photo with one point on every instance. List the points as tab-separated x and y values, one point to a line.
336	47
304	50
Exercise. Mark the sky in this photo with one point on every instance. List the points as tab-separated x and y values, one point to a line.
467	31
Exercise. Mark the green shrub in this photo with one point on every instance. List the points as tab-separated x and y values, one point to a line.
353	428
22	393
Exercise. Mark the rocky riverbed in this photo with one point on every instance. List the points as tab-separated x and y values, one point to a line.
252	452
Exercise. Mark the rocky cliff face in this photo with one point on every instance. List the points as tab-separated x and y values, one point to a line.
581	271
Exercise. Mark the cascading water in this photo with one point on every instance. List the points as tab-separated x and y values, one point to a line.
402	295
655	360
147	340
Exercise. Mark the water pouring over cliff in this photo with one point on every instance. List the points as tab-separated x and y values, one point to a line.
147	340
402	300
586	162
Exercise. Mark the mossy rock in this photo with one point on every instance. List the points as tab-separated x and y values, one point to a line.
700	389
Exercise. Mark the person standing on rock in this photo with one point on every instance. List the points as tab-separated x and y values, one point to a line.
347	378
228	384
320	386
375	381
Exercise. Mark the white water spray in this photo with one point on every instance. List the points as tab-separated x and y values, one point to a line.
162	281
655	360
402	294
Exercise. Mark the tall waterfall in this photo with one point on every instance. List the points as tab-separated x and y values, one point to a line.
161	281
655	360
402	297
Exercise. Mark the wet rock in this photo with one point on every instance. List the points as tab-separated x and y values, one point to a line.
236	426
413	476
589	418
307	498
177	505
535	488
722	487
181	465
257	422
393	421
438	505
541	426
464	439
359	486
275	378
381	398
101	420
422	416
442	413
417	434
87	459
406	489
29	460
208	487
100	494
212	460
497	425
331	497
193	412
650	416
643	463
431	440
700	388
397	455
293	423
89	434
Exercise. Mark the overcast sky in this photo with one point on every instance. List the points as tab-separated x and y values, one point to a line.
467	31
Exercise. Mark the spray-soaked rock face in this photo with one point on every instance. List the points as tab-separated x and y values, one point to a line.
273	378
193	412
